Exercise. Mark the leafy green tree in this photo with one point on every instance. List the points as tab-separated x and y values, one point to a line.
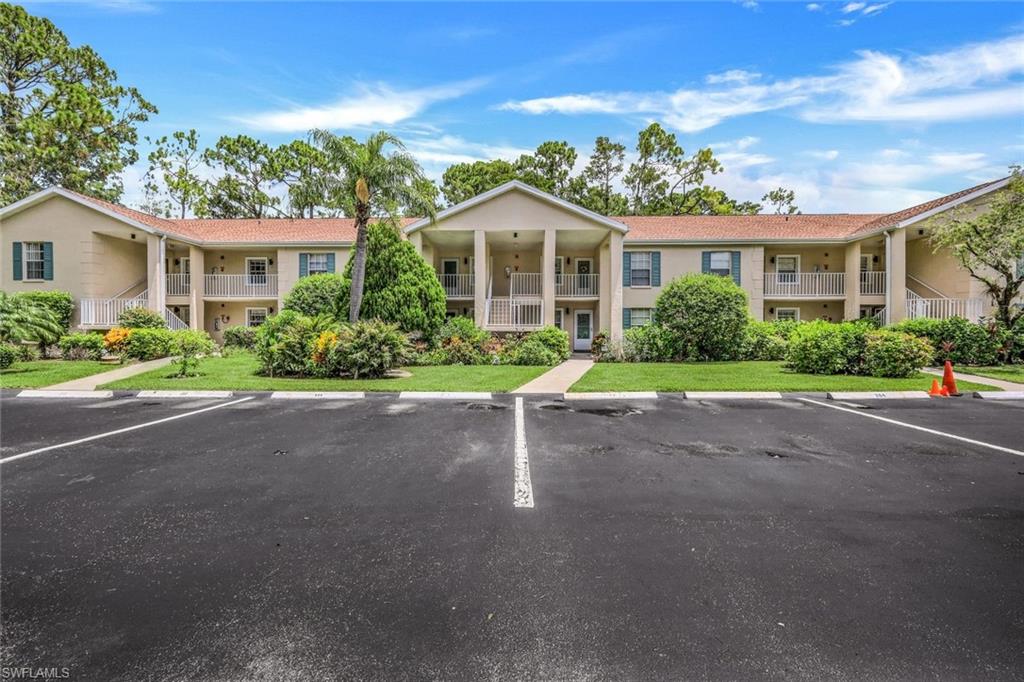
464	181
663	180
65	119
303	170
172	184
317	295
782	200
989	244
25	319
400	286
373	181
598	179
247	170
706	314
548	169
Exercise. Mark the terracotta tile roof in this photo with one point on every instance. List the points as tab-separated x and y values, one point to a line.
744	227
907	213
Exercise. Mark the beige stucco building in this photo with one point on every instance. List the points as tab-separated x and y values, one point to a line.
513	258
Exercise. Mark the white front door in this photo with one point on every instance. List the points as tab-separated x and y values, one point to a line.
584	330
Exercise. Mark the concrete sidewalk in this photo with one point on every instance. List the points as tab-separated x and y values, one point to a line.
558	379
988	381
90	383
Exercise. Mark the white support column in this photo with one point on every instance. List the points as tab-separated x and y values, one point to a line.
604	286
548	276
156	273
851	311
480	276
196	305
896	276
416	239
615	281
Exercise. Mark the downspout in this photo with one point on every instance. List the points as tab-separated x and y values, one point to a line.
888	277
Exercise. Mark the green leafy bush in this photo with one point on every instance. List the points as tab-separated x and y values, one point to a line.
650	343
24	352
22	319
531	351
369	349
240	336
284	342
81	346
706	314
141	318
895	354
147	344
318	295
465	329
59	303
767	340
188	345
7	355
554	339
400	287
957	340
459	351
827	347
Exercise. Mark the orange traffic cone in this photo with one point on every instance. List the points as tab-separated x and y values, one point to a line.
948	380
944	392
936	392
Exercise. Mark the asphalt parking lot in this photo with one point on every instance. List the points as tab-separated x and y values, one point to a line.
380	539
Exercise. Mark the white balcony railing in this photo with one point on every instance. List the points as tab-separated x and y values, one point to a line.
804	284
872	283
240	286
179	284
577	286
526	284
106	312
943	308
458	286
512	314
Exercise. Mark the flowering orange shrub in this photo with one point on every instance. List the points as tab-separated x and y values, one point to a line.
115	339
323	346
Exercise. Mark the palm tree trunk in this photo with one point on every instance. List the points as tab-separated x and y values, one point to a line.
355	298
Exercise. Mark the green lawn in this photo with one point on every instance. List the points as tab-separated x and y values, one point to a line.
738	376
1004	372
40	373
238	373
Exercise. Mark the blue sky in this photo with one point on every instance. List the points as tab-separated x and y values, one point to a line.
857	106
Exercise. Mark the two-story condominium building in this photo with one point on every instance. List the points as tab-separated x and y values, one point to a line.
513	258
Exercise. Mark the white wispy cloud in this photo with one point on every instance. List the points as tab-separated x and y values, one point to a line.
449	149
823	154
851	7
369	104
969	82
814	7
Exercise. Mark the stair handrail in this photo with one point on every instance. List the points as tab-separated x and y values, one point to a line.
926	286
127	289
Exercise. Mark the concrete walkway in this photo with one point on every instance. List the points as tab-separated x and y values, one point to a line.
558	379
90	383
988	381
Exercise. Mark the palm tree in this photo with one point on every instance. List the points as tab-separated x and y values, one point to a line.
22	319
372	183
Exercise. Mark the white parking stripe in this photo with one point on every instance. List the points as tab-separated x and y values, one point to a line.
119	431
522	496
962	439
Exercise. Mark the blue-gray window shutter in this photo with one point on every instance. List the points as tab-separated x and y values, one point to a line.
626	270
47	260
705	262
655	268
17	260
627	313
330	263
736	266
303	264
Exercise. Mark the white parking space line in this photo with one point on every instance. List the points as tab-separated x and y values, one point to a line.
443	395
887	420
522	496
119	431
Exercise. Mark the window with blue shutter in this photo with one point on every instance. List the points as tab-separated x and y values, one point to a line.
17	260
722	263
705	262
626	315
330	263
319	263
736	267
48	260
626	281
656	268
303	264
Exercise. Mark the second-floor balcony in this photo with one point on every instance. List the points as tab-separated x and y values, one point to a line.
179	284
577	286
805	285
240	286
458	286
872	282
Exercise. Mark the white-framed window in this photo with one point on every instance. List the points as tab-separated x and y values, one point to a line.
257	270
640	317
316	264
559	268
865	263
787	314
32	258
721	263
558	318
254	317
787	269
640	269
